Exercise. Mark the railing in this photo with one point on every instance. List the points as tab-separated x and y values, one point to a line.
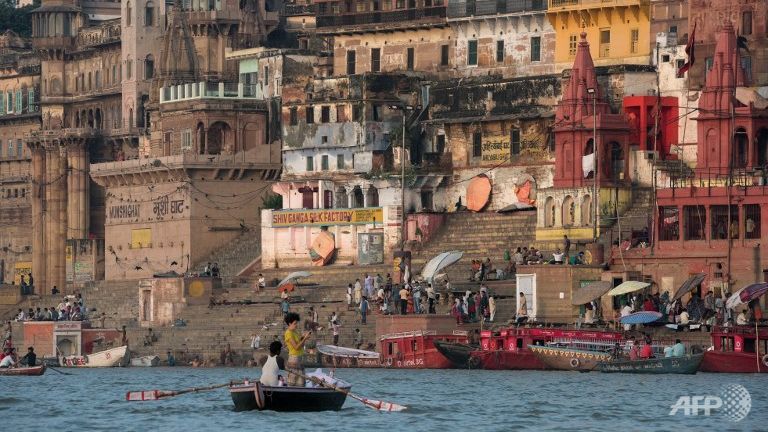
466	8
99	35
594	3
719	177
294	9
203	90
399	16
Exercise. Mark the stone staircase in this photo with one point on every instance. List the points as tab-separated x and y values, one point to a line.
235	255
634	219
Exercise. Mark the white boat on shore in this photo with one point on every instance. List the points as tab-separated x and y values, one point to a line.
109	358
145	361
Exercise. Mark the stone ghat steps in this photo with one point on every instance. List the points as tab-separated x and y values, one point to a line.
235	255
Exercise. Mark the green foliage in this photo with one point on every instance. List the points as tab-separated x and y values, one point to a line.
18	20
272	201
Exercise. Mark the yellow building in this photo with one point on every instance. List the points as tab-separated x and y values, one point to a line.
618	31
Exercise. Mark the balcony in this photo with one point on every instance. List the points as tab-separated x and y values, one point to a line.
102	35
469	8
210	90
397	18
298	10
565	5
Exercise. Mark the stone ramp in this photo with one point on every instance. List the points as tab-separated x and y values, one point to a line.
235	255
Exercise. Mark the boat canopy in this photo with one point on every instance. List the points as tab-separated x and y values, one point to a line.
628	287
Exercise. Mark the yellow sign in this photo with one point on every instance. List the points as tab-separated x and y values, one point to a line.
321	217
495	151
141	238
21	268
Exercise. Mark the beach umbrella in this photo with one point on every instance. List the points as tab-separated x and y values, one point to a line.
478	192
628	287
746	294
293	276
643	317
689	284
590	292
438	263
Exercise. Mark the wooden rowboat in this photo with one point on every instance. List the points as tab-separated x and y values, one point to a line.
687	364
145	361
255	396
458	353
23	371
109	358
560	358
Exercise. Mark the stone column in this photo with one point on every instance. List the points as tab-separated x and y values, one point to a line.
38	219
77	191
50	214
62	223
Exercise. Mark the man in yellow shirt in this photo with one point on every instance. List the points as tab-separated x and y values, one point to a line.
295	344
403	300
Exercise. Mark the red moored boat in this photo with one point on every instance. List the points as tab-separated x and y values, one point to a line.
508	349
416	349
737	350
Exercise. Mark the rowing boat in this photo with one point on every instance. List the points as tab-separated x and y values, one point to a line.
687	364
251	396
109	358
23	371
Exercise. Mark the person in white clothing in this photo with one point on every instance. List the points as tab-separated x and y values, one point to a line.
255	341
270	372
626	310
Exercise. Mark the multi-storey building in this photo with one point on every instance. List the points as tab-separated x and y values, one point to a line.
19	115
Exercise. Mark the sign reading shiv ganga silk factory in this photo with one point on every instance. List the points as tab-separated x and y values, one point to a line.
322	217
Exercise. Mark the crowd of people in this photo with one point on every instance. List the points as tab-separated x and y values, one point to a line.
71	308
211	270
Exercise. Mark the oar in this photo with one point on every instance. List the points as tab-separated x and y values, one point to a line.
148	395
370	403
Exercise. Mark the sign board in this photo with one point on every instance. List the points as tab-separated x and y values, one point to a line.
21	268
370	248
325	217
495	150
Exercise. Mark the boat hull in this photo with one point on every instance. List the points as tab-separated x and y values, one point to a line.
23	371
732	362
109	358
251	397
506	360
458	354
145	361
688	364
569	359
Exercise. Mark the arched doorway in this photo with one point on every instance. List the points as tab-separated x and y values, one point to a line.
569	211
372	197
740	148
357	198
617	162
586	211
219	139
549	212
341	198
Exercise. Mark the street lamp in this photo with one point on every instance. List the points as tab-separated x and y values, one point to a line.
404	109
596	168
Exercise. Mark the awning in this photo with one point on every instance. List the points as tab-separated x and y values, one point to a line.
590	292
689	284
628	287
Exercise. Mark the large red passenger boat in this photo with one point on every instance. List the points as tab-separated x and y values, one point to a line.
416	349
739	349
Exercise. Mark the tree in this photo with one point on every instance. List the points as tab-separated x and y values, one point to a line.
18	20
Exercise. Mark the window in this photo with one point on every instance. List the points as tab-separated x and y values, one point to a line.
515	141
11	149
357	113
339	161
325	114
410	58
9	102
266	75
751	221
708	63
186	140
472	52
634	36
477	144
440	144
19	148
324	162
746	65
470	7
310	114
673	29
324	139
31	103
149	67
128	13
376	60
536	48
19	101
340	117
114	74
444	55
669	225
695	221
294	116
350	62
572	44
310	163
400	4
605	43
501	6
128	69
746	23
500	51
2	105
719	218
375	116
149	15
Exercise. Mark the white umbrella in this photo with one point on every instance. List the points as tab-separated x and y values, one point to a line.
294	275
438	263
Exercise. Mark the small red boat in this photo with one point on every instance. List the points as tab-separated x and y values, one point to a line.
739	349
23	371
508	349
416	349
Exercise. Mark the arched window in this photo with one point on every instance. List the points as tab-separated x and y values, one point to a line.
341	198
586	211
740	146
149	14
357	197
569	211
128	13
549	212
372	197
149	67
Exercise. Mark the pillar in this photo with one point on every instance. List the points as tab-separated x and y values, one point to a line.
38	227
50	214
77	191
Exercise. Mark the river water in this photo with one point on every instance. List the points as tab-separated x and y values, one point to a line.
447	400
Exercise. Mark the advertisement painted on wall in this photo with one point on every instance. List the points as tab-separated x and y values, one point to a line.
21	268
325	217
370	248
495	150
